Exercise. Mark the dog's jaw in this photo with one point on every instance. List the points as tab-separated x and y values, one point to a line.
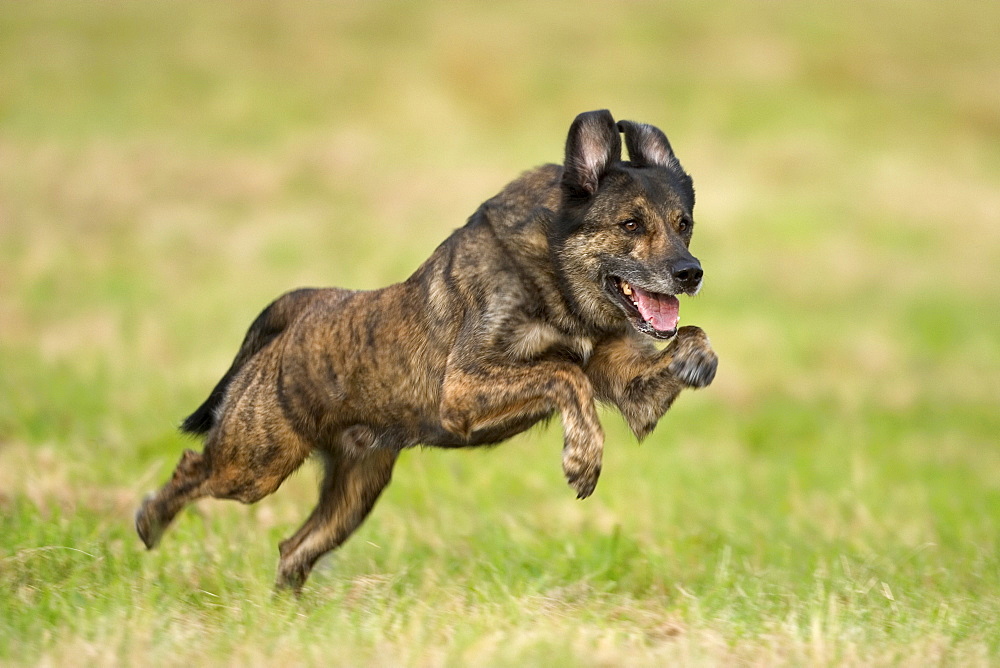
651	313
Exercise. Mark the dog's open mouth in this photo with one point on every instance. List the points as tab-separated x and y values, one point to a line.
650	313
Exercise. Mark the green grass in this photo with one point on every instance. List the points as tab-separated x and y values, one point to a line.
833	498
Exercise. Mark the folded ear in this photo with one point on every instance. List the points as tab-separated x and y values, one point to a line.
592	146
648	146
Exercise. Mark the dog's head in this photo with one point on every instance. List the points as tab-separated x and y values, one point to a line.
620	239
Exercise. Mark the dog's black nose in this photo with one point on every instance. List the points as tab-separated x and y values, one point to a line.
688	274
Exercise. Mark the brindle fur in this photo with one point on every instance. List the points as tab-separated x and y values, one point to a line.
509	322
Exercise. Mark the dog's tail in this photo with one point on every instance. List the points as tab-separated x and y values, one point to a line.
272	321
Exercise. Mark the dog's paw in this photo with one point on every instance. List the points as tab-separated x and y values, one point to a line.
697	369
694	363
146	525
581	474
291	577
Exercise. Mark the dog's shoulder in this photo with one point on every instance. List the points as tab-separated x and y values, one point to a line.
518	209
505	239
517	221
496	273
533	188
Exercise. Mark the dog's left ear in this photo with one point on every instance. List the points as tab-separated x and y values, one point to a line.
648	146
592	146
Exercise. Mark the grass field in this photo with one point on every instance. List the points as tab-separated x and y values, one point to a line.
834	498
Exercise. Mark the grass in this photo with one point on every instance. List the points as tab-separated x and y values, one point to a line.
834	497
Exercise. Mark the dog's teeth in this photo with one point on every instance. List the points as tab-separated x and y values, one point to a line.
626	288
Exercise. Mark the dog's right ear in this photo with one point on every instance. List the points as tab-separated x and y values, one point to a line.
647	145
592	146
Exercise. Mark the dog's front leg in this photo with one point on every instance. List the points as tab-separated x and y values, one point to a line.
643	382
479	397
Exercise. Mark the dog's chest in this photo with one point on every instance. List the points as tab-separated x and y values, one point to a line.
536	339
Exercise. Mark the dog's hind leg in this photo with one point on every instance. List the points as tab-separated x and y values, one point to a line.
353	480
239	463
189	482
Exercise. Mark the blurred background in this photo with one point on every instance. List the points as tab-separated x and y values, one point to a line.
166	169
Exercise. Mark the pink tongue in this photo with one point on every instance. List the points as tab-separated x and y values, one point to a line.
660	311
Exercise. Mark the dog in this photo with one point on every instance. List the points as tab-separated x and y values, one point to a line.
550	298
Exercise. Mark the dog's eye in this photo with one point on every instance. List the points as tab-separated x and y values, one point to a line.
683	225
631	225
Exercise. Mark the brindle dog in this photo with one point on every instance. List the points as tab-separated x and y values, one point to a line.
549	298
